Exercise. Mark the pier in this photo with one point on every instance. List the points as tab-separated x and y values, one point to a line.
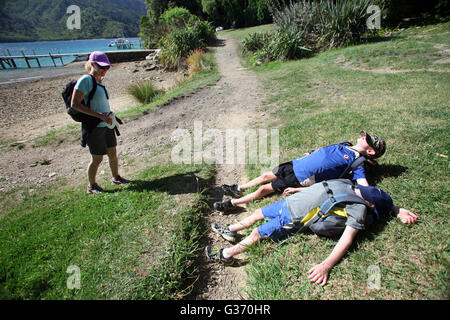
114	57
10	60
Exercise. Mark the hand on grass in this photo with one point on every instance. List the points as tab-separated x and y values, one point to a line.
406	216
319	274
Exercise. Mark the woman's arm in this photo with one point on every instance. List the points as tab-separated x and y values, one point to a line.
319	273
76	104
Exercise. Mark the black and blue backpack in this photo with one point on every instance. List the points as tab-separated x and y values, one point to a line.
67	97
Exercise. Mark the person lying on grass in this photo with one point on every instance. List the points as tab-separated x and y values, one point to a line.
304	210
326	163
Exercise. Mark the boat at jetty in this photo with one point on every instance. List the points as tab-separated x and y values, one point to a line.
121	43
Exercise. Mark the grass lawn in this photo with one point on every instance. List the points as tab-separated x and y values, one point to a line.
331	97
135	242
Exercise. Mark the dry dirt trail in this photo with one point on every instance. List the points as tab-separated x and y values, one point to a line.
232	103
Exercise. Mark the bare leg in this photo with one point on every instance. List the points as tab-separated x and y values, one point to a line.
264	178
248	221
113	161
258	194
93	167
243	245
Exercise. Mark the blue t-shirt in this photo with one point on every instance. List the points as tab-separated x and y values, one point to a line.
99	102
325	164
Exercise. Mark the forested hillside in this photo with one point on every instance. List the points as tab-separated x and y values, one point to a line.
33	20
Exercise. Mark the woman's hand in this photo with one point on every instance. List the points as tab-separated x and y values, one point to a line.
105	118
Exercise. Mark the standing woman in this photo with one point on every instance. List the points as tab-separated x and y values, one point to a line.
100	139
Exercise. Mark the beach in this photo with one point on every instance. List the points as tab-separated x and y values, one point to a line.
31	98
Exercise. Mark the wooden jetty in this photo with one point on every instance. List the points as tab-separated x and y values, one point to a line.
114	57
10	60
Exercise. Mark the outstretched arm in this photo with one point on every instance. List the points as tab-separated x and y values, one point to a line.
405	216
319	273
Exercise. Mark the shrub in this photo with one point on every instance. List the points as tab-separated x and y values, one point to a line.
175	18
194	62
285	43
343	22
143	91
204	31
322	24
178	44
256	41
177	32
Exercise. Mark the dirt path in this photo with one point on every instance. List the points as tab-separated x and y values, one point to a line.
232	103
239	110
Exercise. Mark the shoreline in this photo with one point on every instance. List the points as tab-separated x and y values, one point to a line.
12	76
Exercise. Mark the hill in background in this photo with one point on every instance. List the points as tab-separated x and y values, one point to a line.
37	20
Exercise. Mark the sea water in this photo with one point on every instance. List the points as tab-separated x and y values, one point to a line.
45	47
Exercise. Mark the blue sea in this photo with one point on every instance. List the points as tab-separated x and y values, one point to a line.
45	47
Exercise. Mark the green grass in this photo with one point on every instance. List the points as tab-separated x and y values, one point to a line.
316	102
412	49
240	34
135	242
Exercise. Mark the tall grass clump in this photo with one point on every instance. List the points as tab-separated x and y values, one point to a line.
323	24
305	27
144	91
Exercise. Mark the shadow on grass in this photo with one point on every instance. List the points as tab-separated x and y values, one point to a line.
376	174
378	38
184	183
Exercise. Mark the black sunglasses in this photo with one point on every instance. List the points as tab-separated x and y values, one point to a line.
103	68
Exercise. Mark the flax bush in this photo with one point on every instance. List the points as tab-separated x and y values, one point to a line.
309	26
323	24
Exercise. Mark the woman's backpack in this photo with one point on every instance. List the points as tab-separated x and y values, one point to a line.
67	97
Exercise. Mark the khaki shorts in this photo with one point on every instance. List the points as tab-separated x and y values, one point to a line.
100	140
